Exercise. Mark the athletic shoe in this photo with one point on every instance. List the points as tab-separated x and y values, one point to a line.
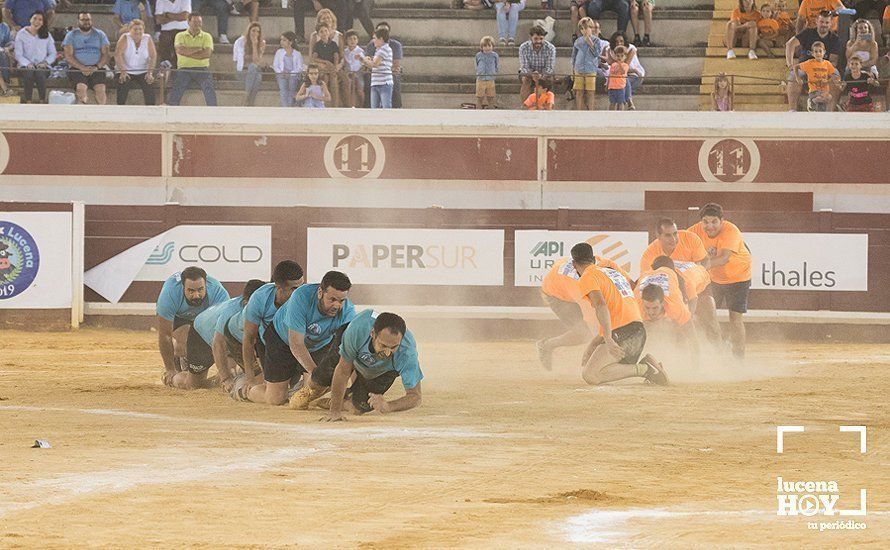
730	54
238	387
751	54
647	42
656	373
511	42
223	39
630	105
545	356
301	398
322	403
503	41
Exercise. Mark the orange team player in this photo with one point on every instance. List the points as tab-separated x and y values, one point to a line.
810	9
680	245
661	295
616	355
542	98
562	293
729	267
698	298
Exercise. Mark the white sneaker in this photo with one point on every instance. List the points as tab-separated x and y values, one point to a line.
751	54
730	54
223	39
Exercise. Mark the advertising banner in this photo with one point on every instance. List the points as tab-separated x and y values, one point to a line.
537	250
808	261
229	253
408	256
35	260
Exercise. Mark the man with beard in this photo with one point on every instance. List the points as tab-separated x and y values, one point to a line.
87	52
183	296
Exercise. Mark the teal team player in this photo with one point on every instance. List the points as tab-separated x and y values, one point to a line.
183	296
208	343
303	334
252	321
378	348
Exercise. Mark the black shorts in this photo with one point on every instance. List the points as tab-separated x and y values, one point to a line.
361	389
233	346
76	77
568	312
632	339
199	355
734	294
280	365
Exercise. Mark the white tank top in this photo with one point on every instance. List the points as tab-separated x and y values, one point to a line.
136	59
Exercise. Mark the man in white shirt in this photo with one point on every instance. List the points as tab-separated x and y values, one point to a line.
172	17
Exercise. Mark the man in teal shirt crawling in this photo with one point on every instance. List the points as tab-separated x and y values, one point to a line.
378	348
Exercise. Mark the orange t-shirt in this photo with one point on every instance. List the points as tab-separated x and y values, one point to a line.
689	249
818	73
617	294
744	17
738	268
785	22
768	28
561	282
542	103
675	308
695	276
810	10
886	16
618	75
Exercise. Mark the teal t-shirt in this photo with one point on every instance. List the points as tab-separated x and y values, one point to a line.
260	309
213	319
355	348
300	314
172	303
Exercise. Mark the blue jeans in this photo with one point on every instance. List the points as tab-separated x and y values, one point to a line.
633	84
221	7
4	66
183	77
507	21
620	7
253	79
287	88
381	96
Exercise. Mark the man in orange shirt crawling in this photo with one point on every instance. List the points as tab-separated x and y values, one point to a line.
561	292
616	355
729	266
662	296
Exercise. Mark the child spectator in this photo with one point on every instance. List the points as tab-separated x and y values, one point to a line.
768	28
618	79
487	62
636	71
326	54
742	28
313	92
722	94
786	22
542	98
381	70
818	70
859	86
326	17
354	83
646	7
288	66
863	45
585	61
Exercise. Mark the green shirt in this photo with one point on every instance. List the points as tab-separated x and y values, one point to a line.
202	40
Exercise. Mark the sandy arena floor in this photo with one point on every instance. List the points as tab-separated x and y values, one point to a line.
500	455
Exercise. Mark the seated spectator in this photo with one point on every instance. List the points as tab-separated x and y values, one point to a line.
135	58
803	43
172	16
507	15
17	13
575	8
361	10
221	9
253	7
722	94
819	73
542	99
396	48
338	7
313	92
768	29
326	55
6	49
537	58
128	10
87	51
194	47
859	86
635	73
742	29
35	51
809	10
352	57
327	17
786	19
636	6
586	53
863	45
381	70
288	67
248	56
594	8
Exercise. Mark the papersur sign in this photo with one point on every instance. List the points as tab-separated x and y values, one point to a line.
408	256
808	261
537	250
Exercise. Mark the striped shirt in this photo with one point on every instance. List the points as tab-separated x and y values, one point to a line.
382	74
